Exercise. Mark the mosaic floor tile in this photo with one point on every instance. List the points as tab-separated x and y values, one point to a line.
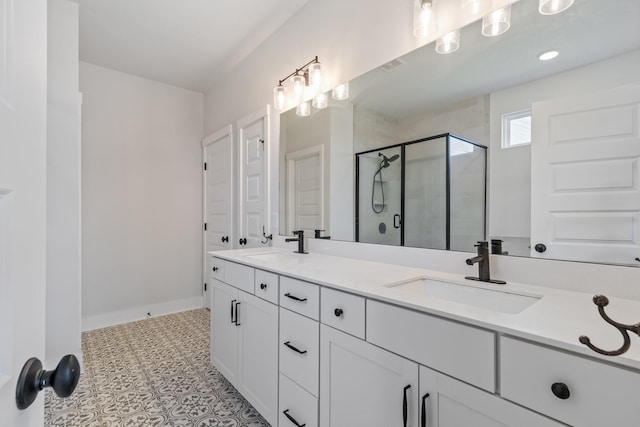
155	373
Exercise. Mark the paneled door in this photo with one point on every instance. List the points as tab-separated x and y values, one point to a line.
585	195
217	196
252	162
306	207
23	156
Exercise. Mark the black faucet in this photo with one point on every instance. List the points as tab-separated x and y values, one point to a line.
496	247
300	240
318	236
483	264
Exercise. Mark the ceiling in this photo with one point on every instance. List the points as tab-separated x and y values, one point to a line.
186	43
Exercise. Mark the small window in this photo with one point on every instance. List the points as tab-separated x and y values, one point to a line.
516	129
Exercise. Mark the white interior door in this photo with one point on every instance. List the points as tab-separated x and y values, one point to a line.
252	160
585	197
306	193
218	196
23	121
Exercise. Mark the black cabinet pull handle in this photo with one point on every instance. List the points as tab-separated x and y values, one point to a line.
560	390
215	269
404	405
237	314
295	298
232	302
338	312
293	420
424	410
288	344
396	221
263	286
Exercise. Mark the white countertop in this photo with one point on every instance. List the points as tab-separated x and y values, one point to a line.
557	319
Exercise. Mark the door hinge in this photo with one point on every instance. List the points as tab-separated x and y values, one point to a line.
205	287
205	165
205	226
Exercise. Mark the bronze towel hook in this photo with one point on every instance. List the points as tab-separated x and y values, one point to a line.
601	301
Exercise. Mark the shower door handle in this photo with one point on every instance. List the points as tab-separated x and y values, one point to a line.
396	221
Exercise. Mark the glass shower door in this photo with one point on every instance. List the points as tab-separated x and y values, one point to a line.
379	210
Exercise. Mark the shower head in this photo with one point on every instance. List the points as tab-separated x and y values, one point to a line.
384	163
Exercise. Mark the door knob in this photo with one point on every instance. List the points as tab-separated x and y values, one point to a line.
33	378
243	241
540	247
225	239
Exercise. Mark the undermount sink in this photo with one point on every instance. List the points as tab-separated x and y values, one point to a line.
274	256
489	299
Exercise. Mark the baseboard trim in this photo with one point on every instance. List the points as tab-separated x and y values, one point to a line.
139	313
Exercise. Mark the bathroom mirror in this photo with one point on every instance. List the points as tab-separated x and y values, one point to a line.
569	191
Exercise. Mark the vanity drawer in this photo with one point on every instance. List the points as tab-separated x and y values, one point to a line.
216	268
240	276
301	297
266	286
301	406
342	311
300	349
464	352
599	394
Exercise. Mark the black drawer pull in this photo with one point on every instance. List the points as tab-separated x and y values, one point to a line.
293	420
338	312
288	344
560	390
295	298
404	405
424	410
237	314
263	286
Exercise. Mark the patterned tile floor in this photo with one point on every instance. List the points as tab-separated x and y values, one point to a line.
154	372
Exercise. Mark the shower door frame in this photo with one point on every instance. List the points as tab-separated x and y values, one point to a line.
402	147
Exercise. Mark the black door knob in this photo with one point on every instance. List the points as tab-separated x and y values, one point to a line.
33	378
263	286
225	239
215	268
560	390
338	312
540	247
243	241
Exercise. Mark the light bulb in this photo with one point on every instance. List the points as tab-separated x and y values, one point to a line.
551	7
320	101
298	83
448	43
340	92
475	7
279	98
497	22
315	77
303	109
424	23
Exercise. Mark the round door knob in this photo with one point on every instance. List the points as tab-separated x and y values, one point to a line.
560	390
33	378
338	312
263	286
540	247
215	268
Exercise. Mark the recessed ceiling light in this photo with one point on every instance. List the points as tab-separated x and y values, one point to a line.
548	55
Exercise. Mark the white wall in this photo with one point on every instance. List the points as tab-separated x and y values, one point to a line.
63	184
141	197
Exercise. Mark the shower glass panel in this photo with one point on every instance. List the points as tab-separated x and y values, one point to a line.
379	197
425	194
467	165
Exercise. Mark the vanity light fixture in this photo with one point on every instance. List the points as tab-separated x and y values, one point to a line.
475	7
546	56
424	21
341	92
497	22
551	7
305	79
448	43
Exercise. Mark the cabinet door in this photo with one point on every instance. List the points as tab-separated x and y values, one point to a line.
258	355
224	332
363	385
451	403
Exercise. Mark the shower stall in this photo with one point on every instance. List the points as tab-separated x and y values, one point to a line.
427	193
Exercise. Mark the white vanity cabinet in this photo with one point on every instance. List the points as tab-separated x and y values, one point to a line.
244	340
